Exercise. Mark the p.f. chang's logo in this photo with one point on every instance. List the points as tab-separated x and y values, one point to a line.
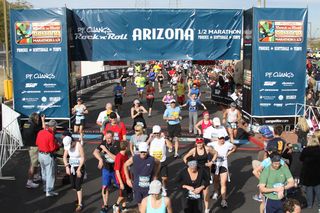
98	33
162	34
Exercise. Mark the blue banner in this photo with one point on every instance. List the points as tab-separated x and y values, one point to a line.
40	62
104	34
278	61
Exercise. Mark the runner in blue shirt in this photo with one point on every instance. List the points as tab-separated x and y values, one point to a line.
118	92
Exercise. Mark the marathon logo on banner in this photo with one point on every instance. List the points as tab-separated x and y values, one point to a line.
96	33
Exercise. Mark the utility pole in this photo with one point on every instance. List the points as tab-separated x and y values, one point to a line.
6	38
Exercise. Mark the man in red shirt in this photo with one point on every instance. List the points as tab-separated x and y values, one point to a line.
124	190
47	145
118	128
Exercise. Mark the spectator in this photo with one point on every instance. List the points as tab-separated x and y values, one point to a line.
30	131
47	145
302	130
291	206
310	173
277	142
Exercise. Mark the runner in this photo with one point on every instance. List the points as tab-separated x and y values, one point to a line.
204	124
193	103
103	117
193	180
118	92
167	98
158	149
124	190
144	168
140	82
181	89
130	71
150	97
231	117
152	77
137	111
117	127
185	66
212	132
174	81
201	154
220	170
109	149
79	110
123	80
75	167
172	117
274	180
136	139
194	90
160	79
155	202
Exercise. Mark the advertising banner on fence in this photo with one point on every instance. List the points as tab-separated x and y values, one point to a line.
278	64
40	62
128	34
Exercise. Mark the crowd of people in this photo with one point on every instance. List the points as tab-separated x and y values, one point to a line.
137	165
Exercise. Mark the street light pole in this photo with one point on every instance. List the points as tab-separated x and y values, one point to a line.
6	38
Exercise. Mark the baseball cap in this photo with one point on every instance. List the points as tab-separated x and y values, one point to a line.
233	104
216	121
266	132
67	142
221	135
136	101
156	129
143	147
113	115
155	187
199	140
275	158
52	123
172	101
168	92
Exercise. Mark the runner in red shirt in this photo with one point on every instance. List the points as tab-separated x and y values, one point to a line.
124	190
118	128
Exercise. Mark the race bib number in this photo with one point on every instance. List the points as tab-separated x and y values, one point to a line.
78	119
74	162
193	196
157	154
144	181
175	115
277	185
116	136
108	159
233	125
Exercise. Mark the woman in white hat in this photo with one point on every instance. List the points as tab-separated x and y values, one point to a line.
155	202
74	166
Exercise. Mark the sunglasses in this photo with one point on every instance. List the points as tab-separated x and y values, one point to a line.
143	152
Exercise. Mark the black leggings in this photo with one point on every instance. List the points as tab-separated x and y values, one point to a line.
76	182
193	206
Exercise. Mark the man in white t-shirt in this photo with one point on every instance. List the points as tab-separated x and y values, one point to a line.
216	129
103	117
158	149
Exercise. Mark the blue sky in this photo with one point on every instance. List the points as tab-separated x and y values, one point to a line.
313	6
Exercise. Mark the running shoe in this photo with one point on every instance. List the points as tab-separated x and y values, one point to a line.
104	209
52	194
78	208
257	197
207	211
224	204
176	155
115	208
214	196
32	185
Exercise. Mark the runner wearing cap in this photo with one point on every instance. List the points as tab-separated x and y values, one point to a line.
220	169
74	166
155	202
105	153
167	98
137	111
117	127
144	168
274	180
172	116
201	154
202	125
158	149
193	180
137	138
193	103
79	110
212	132
231	117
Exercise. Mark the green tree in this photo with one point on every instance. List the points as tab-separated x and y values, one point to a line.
20	4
